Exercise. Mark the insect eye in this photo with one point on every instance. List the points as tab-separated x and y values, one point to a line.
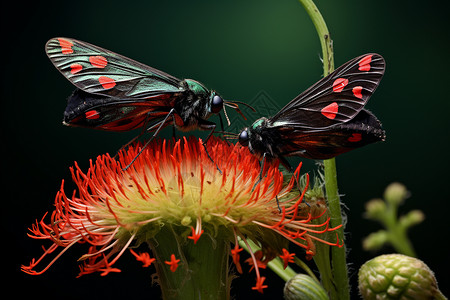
216	104
243	137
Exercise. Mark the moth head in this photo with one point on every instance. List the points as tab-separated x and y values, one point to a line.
216	103
244	137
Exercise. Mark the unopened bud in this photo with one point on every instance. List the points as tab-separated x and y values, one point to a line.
412	218
375	209
395	193
397	276
302	286
376	240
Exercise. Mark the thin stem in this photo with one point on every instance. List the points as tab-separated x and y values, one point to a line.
324	35
338	255
397	234
305	267
275	265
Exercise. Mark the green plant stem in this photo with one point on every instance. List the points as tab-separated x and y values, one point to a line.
203	268
323	263
275	265
338	255
324	35
397	234
305	267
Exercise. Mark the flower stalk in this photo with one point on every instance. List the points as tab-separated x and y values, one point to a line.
340	289
202	271
276	265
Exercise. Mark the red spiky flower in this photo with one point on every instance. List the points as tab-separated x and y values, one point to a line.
174	187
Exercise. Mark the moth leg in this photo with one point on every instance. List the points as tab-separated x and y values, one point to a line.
285	163
222	128
260	171
207	125
221	123
278	204
171	112
173	127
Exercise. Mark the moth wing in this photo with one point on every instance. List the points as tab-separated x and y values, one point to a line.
335	99
362	130
99	71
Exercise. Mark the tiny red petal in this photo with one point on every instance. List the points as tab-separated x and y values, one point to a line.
236	256
144	258
287	257
259	284
259	262
108	270
173	263
195	236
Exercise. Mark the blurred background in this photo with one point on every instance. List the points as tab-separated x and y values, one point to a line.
241	49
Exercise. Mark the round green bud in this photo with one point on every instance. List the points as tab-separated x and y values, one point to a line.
375	209
396	276
375	241
412	218
395	193
302	286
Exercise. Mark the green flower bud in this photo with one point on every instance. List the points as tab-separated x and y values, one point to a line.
395	193
302	286
376	240
375	209
396	276
412	218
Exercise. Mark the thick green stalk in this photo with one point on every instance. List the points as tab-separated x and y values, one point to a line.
338	255
203	268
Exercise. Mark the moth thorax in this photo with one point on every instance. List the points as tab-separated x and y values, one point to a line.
196	87
261	122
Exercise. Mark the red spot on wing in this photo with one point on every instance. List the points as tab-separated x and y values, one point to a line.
92	115
364	63
339	84
75	68
66	46
106	82
357	91
330	110
98	61
356	137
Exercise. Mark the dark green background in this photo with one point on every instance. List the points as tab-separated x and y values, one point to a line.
237	48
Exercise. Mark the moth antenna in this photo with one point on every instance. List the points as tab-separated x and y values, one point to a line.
226	132
226	115
236	107
243	103
230	137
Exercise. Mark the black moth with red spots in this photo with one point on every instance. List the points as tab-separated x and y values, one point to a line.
324	121
116	93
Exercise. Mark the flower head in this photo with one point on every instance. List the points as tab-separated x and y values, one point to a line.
176	184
